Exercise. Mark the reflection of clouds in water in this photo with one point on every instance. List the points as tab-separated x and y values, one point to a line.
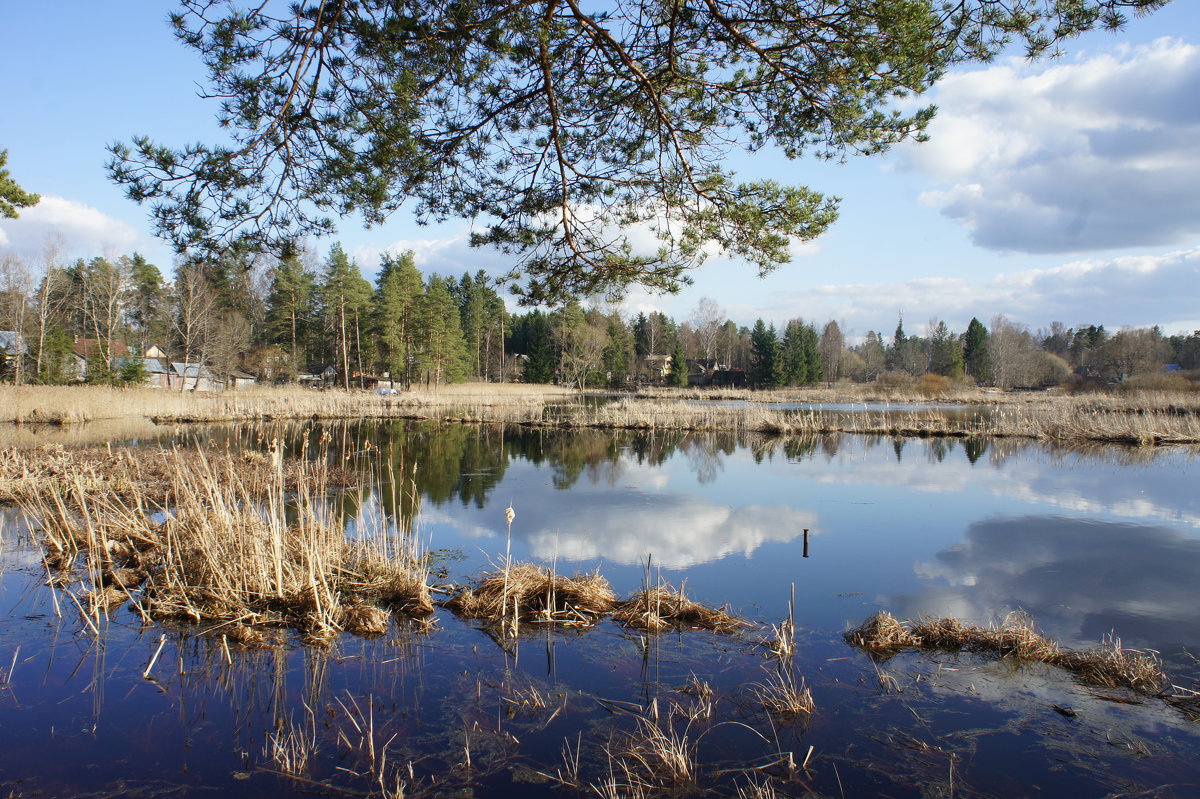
1146	491
679	532
1079	579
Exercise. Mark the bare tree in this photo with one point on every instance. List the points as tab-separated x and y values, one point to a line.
831	346
706	321
195	308
14	307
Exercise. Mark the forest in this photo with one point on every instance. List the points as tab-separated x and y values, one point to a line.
277	320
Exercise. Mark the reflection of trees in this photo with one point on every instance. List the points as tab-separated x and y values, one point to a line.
706	452
975	448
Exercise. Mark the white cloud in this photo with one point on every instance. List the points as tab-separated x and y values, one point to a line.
82	229
1075	157
1130	290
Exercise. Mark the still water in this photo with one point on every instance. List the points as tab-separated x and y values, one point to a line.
1092	542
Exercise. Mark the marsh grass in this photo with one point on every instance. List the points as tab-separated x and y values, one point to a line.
1138	416
662	607
525	592
229	547
1108	665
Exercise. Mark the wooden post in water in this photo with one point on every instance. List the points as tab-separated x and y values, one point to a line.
806	542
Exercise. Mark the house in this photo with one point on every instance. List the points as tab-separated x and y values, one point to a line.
87	349
239	379
157	375
318	377
653	369
192	377
155	351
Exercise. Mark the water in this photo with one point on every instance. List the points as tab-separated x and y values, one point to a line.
1089	542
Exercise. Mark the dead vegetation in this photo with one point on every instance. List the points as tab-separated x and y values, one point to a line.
1108	665
662	607
524	592
236	551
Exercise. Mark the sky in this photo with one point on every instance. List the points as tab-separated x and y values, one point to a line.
1055	190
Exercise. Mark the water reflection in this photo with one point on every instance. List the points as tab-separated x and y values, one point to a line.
1081	579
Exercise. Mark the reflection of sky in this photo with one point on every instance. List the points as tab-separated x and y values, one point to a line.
1100	545
1081	579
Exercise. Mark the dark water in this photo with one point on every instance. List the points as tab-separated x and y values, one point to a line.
1089	542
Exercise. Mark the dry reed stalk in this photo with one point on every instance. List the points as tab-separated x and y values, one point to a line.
661	607
234	552
1109	665
533	593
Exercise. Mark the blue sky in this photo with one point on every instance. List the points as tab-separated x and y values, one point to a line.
1055	190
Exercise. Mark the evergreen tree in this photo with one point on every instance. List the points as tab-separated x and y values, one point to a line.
679	367
442	357
398	297
618	353
345	298
945	352
531	338
976	361
144	302
291	308
764	348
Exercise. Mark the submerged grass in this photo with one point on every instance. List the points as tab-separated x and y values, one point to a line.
1109	665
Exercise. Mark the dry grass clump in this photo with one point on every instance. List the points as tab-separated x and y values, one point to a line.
525	592
785	694
232	550
1109	665
882	634
661	607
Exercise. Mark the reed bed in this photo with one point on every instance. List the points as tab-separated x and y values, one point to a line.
1108	665
149	475
233	555
1144	417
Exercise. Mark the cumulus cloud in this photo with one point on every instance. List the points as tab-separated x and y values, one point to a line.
1130	290
81	229
1070	158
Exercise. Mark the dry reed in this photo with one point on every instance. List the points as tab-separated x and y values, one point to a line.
1144	417
661	607
230	549
524	592
1109	664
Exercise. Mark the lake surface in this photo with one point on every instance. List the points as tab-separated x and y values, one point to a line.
1092	542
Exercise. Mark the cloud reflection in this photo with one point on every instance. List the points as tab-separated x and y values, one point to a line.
1080	579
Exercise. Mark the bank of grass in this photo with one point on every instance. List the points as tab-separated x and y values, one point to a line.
1145	417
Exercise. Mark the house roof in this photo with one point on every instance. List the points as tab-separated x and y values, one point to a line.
152	365
190	369
87	347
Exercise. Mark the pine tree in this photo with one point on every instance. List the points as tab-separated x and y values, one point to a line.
442	356
290	308
398	297
345	297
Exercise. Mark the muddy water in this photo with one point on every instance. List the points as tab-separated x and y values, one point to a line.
1089	542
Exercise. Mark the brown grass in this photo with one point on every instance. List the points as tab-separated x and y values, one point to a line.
1134	416
229	552
1109	664
524	592
661	607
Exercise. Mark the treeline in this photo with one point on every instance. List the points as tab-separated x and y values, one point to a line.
277	320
